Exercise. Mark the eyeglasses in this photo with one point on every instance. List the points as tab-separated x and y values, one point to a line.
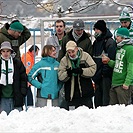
59	26
123	22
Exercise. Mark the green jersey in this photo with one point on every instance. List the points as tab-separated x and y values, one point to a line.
123	66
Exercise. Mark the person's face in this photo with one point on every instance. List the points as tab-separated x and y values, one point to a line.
79	32
35	53
125	24
6	53
60	28
16	34
53	53
72	53
97	31
119	39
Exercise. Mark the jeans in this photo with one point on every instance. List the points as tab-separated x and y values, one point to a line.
7	105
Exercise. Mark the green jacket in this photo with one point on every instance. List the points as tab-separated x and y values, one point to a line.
84	42
123	66
16	43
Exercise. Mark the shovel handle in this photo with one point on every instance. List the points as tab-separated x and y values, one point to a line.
49	96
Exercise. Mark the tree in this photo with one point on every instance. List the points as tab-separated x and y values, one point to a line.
71	6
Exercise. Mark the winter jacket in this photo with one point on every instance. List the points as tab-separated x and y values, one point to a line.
47	67
84	42
53	40
84	80
19	83
123	64
28	61
103	44
15	43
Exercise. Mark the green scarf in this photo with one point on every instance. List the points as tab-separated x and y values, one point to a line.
77	62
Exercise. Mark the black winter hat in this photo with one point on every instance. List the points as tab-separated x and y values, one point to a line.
100	25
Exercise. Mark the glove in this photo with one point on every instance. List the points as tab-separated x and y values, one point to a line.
77	70
69	72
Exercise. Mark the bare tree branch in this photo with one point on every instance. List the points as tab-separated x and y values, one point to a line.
89	5
120	4
76	6
26	2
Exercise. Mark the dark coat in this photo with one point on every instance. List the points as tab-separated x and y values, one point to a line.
15	43
19	83
84	42
106	44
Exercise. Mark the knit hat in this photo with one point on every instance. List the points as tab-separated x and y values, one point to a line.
16	26
78	24
100	25
123	32
6	45
125	16
71	45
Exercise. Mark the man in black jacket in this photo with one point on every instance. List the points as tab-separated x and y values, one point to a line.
103	44
13	80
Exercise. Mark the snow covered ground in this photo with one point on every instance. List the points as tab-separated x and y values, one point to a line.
117	118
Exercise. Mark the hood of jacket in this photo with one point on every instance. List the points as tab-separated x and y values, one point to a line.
4	30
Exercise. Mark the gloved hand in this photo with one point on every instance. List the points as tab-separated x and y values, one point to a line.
77	70
69	72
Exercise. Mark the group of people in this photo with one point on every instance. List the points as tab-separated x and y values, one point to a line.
69	66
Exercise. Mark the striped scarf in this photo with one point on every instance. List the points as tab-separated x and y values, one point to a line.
4	72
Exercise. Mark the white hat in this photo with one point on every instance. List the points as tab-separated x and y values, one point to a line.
6	45
71	45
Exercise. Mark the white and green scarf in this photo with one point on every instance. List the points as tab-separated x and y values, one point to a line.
125	42
3	78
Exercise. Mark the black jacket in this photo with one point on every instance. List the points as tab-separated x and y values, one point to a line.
19	83
106	44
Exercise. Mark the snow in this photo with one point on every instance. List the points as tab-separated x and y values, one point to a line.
117	118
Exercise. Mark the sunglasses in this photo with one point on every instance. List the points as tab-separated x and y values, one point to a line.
59	26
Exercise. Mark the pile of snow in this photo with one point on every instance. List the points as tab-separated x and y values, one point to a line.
117	118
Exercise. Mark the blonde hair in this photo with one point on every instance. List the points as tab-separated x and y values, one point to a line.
47	49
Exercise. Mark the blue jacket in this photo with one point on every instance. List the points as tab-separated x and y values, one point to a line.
47	67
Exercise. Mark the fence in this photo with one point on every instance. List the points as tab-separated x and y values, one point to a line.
40	35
